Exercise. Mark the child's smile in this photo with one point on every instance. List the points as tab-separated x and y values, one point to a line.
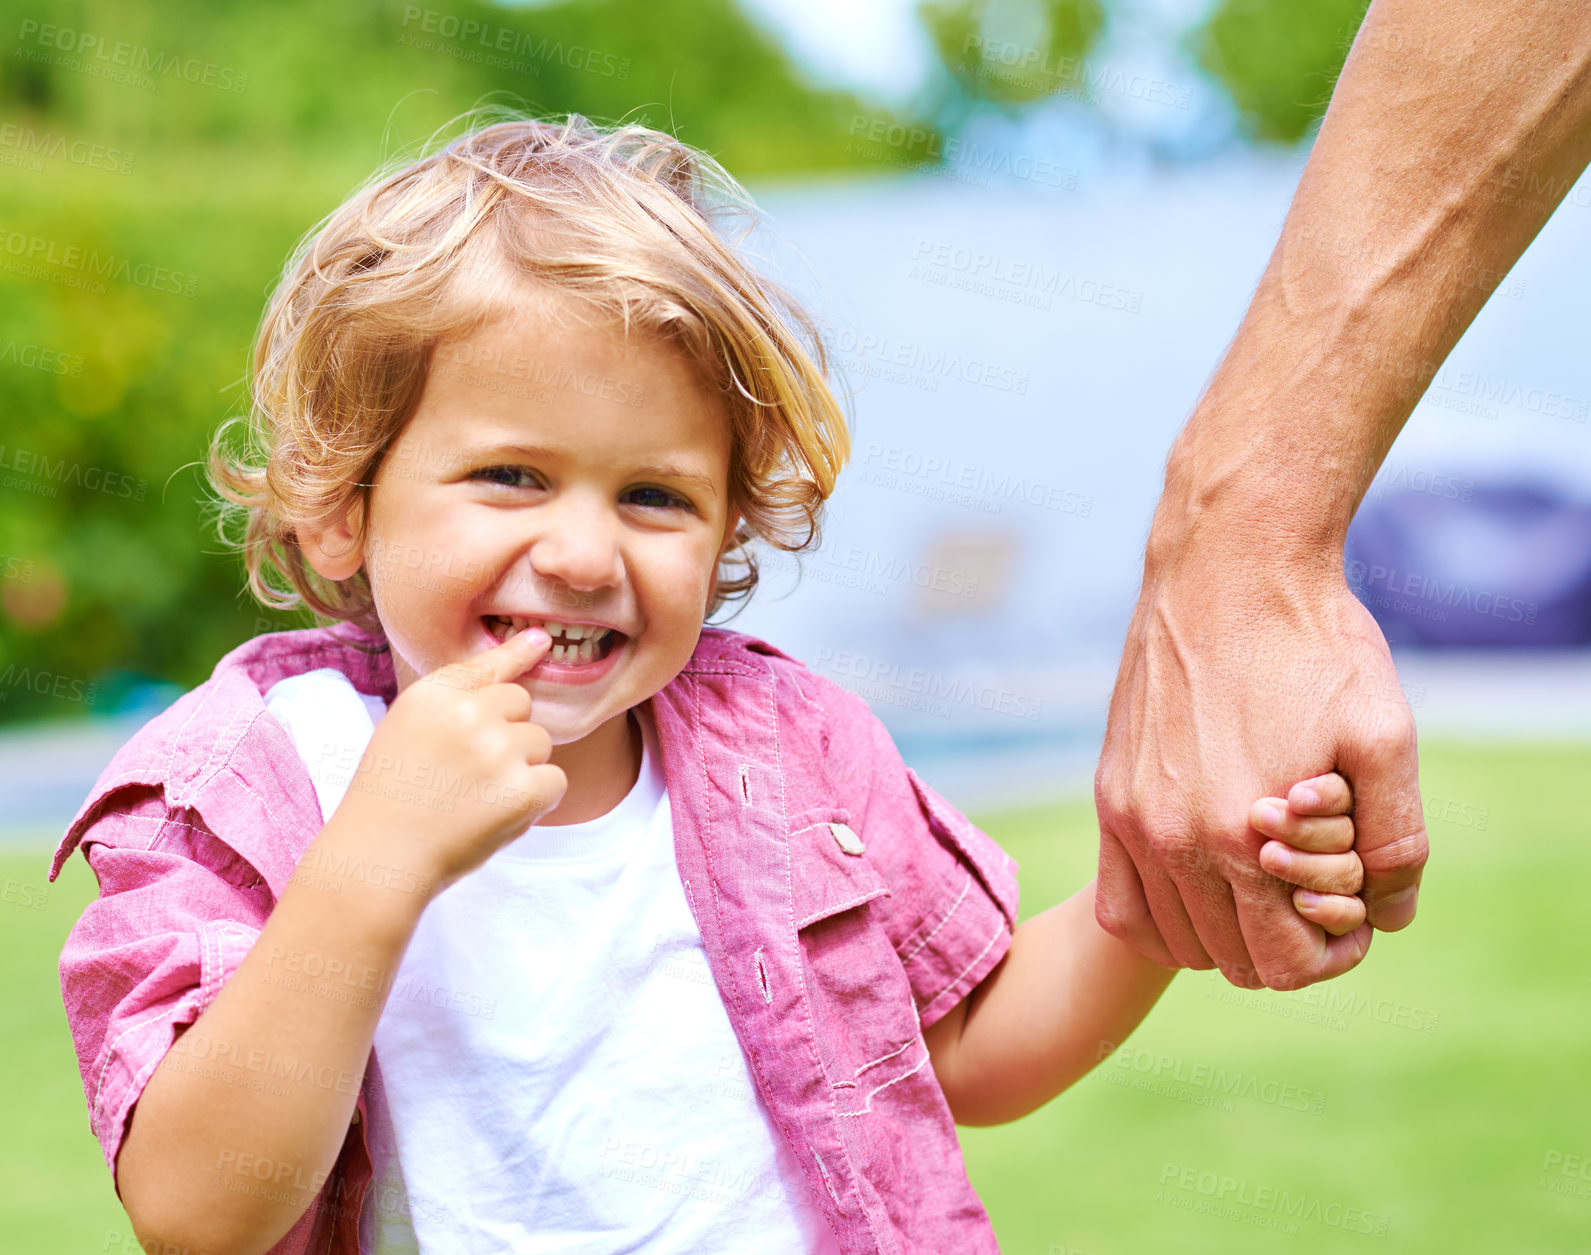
576	647
580	653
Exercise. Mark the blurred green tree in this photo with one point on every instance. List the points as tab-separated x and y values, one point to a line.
1277	59
1013	52
158	162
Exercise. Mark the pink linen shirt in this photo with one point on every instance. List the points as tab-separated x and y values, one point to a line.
830	963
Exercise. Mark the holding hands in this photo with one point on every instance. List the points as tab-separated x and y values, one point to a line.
1311	848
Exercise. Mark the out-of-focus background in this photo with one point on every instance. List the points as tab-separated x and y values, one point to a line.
1029	227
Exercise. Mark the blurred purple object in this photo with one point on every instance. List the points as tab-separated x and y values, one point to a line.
1464	564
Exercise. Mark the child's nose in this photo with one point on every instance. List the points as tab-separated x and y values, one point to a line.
578	547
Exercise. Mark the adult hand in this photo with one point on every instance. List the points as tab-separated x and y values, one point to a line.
1236	682
1249	665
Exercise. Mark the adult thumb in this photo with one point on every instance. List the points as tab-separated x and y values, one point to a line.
1380	760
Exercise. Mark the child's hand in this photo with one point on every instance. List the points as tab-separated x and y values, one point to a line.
1311	846
456	768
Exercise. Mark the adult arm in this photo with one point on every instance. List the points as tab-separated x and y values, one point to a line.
1455	129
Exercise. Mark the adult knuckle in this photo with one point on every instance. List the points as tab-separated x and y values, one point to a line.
1168	836
1112	803
1392	737
1405	853
1290	956
1348	964
1113	917
1195	960
1181	860
1219	850
1286	975
1122	918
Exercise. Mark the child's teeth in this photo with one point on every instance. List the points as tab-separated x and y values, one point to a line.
572	642
503	627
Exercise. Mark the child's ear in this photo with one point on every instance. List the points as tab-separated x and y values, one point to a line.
335	546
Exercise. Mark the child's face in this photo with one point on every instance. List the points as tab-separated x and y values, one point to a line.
553	472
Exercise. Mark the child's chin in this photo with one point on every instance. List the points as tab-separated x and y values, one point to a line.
563	730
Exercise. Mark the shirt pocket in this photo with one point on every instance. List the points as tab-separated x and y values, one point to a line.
863	1015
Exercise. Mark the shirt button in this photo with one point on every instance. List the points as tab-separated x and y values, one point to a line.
848	840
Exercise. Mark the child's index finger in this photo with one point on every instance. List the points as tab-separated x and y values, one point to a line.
500	664
1322	795
1313	834
515	656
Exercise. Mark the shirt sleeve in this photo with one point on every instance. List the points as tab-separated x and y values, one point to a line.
952	908
177	912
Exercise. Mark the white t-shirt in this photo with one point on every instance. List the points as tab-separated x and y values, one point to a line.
554	1070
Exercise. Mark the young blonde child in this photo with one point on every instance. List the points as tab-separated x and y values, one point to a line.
515	910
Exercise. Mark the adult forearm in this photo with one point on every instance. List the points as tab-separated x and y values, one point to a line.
1455	129
241	1124
1044	1017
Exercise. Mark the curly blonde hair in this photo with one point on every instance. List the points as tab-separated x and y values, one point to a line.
629	219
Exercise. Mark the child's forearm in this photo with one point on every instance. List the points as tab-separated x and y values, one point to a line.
1064	995
243	1120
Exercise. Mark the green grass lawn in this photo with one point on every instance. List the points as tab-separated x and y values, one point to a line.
1429	1101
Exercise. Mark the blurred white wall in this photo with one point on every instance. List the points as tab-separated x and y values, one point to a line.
1021	356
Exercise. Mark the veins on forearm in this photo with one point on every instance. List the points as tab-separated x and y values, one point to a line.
1396	237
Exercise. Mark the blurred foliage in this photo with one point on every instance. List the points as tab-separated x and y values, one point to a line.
331	75
1277	59
1014	52
157	165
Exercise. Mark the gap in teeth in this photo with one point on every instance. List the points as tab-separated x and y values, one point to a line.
584	651
570	641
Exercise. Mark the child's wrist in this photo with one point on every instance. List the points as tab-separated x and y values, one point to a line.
346	862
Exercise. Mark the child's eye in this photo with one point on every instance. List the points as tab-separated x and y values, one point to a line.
652	497
510	476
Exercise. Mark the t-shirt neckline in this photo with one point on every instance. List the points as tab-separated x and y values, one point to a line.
607	834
